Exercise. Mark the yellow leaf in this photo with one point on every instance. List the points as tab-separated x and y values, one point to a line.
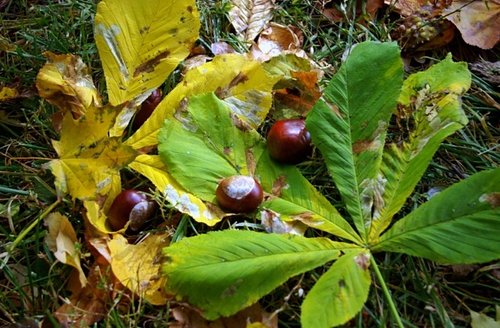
239	81
153	168
65	82
97	218
138	266
250	17
61	239
141	42
89	161
8	93
477	21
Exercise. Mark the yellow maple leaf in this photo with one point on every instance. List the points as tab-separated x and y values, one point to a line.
239	81
141	42
89	160
65	82
61	239
138	266
153	168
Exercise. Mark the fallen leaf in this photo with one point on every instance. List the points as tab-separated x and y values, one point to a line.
276	40
141	42
411	7
155	170
253	316
250	17
89	304
477	21
333	13
239	81
89	160
61	240
220	48
65	82
137	266
300	93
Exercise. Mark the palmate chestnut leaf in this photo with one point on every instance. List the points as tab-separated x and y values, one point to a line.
289	142
239	194
130	205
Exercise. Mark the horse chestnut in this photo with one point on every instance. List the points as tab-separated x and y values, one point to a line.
147	108
130	205
239	194
288	141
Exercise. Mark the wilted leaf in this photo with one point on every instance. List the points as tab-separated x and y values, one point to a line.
65	82
138	266
411	7
477	21
241	83
250	17
89	161
62	240
141	42
155	170
253	316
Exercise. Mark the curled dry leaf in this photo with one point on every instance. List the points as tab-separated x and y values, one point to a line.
89	304
477	21
137	267
65	82
220	48
62	240
276	40
250	17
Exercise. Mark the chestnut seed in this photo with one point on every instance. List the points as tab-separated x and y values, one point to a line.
239	194
147	108
130	205
288	141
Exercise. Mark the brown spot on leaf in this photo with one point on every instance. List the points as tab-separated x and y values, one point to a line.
240	78
250	159
363	260
149	66
492	198
361	146
240	124
278	185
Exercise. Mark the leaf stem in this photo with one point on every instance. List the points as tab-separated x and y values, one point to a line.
23	233
387	293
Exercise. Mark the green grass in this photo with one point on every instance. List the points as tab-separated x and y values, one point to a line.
33	283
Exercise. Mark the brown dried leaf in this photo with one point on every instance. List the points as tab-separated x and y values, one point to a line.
88	305
61	239
302	92
371	8
250	17
220	48
252	316
411	7
276	40
477	21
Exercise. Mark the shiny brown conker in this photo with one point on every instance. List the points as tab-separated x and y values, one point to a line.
239	194
147	108
288	141
130	205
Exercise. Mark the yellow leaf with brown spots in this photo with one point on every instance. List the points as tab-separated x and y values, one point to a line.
243	84
141	42
65	82
138	266
89	160
8	93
